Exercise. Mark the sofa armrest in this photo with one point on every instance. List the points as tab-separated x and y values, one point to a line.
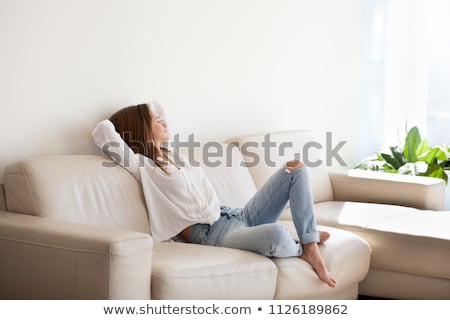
381	187
2	197
48	259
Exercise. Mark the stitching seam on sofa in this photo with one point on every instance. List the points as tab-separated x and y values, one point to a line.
57	247
408	237
33	198
226	275
411	274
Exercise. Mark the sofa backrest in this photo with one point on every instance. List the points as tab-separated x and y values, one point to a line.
81	189
92	190
265	153
222	165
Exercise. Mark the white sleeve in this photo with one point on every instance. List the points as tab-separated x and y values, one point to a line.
112	145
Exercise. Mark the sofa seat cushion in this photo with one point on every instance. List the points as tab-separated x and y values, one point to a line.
346	256
192	271
403	239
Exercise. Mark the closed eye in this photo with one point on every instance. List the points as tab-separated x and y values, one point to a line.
159	120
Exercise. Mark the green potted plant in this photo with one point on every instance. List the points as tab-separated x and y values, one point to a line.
415	157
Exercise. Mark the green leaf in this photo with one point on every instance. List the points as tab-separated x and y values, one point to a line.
433	155
389	169
445	165
444	149
369	164
398	155
435	171
423	148
394	163
412	143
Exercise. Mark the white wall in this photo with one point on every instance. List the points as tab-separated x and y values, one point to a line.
221	68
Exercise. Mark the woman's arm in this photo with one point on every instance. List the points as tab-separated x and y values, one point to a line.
112	145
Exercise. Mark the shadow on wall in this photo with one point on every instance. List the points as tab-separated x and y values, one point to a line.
82	142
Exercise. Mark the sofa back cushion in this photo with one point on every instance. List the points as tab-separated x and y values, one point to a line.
222	166
266	153
81	189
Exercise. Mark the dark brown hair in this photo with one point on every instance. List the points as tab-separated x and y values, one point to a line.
133	123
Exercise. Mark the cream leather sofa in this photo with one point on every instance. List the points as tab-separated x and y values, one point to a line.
75	227
400	217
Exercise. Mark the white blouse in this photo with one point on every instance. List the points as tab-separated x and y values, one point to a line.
174	201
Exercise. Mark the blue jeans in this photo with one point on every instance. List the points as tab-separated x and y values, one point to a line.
254	228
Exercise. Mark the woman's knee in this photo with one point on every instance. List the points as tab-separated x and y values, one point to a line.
282	244
294	165
277	233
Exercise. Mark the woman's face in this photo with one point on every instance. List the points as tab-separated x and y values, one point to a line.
159	128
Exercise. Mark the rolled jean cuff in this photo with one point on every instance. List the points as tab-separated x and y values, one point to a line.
310	237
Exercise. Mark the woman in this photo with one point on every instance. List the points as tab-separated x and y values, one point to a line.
181	201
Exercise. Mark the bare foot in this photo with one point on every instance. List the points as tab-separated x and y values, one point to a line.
324	236
312	255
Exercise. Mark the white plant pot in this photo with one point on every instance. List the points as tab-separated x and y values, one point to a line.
447	195
447	199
